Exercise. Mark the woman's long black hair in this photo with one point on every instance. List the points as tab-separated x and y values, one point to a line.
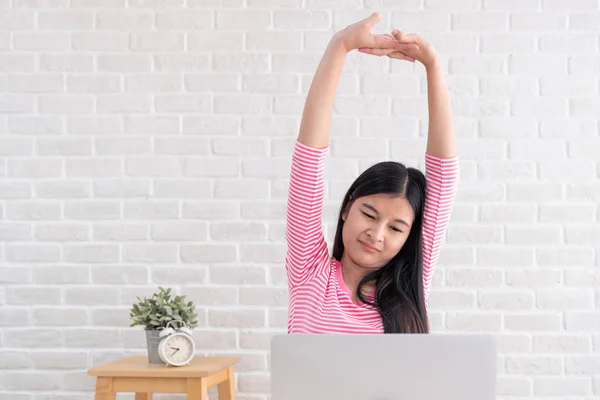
399	294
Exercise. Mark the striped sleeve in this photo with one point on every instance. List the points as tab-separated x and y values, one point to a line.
307	252
442	176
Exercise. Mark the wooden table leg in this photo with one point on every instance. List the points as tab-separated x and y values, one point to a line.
104	389
143	396
196	389
227	388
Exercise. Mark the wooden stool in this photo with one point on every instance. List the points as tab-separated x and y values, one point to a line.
134	374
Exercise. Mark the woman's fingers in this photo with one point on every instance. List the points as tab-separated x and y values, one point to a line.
394	45
387	52
387	41
405	37
376	52
400	56
372	20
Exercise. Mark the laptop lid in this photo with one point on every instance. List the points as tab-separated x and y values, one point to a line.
383	367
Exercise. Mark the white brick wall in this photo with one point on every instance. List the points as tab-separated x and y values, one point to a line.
147	142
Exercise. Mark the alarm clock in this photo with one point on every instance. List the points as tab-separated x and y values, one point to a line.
176	347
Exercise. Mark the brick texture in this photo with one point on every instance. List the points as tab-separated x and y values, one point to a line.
148	142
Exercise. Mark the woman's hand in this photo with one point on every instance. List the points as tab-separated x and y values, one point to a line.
425	53
358	36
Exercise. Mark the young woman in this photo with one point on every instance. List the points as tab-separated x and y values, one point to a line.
392	220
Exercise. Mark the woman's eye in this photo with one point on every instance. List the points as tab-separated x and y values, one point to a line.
396	229
367	215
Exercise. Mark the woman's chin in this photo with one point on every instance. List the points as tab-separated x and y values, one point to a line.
365	260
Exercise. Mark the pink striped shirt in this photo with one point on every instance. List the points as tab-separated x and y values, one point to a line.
319	300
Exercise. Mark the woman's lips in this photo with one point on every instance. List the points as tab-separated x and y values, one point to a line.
368	248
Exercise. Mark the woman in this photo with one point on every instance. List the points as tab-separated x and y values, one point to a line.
392	220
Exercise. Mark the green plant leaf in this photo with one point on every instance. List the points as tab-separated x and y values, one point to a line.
161	308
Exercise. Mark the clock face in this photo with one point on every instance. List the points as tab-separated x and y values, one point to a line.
178	349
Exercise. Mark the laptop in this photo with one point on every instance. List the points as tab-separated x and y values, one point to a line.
436	366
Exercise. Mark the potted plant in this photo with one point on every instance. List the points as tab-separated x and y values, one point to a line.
156	312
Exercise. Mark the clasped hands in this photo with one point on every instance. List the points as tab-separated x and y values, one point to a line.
410	47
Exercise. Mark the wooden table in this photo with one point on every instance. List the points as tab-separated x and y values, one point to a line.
134	374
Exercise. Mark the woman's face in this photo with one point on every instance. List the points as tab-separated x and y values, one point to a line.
375	229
